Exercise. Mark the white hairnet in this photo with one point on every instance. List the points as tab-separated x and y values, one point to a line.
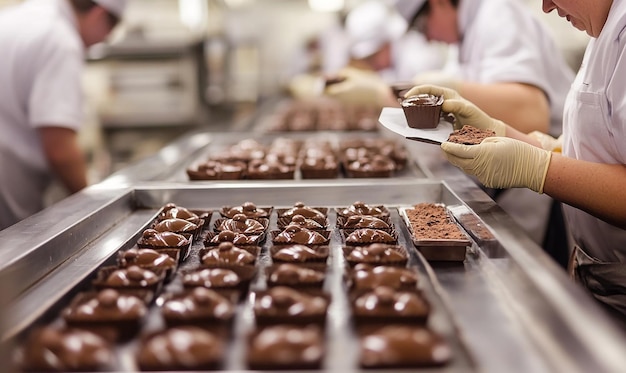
408	8
116	7
370	25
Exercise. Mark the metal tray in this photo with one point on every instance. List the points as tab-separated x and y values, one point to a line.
512	311
446	250
342	344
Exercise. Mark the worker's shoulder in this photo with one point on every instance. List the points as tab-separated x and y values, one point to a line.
39	23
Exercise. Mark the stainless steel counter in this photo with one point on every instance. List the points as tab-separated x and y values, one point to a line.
509	305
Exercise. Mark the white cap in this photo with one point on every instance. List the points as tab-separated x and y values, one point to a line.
370	25
408	8
116	7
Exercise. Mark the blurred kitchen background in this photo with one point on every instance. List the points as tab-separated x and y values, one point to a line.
176	65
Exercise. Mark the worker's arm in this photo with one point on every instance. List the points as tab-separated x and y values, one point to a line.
64	156
524	107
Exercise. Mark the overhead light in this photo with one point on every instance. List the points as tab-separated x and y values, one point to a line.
326	5
238	3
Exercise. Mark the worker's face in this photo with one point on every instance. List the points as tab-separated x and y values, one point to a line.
440	23
585	15
382	59
95	25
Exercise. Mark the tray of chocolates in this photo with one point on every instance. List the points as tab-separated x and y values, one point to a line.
435	232
321	303
302	158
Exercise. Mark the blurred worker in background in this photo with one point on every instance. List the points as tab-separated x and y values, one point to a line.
373	48
590	175
510	67
381	52
43	45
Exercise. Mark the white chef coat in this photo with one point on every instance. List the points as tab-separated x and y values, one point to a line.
594	128
504	42
40	70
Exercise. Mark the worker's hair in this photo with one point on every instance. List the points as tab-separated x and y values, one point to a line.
426	8
84	6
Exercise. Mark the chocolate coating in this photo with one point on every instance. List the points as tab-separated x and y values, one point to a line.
212	278
241	224
376	253
176	225
286	347
62	350
365	221
285	301
367	235
146	258
235	238
108	304
171	211
423	99
403	346
164	351
152	238
200	304
299	235
305	223
299	208
133	276
227	253
298	253
394	277
385	302
290	274
360	208
249	209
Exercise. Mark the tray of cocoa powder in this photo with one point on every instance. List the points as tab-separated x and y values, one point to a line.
435	233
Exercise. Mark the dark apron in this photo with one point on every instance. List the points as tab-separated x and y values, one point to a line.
605	281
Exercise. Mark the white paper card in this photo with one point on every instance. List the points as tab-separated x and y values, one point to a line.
394	120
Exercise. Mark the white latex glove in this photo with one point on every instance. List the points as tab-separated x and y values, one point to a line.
502	162
437	78
466	113
360	87
306	86
548	142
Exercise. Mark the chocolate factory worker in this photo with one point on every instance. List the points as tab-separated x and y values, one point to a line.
509	66
590	173
381	52
41	102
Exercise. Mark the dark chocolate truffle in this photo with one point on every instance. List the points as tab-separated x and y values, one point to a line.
181	348
65	350
200	305
286	347
294	234
423	110
241	224
227	253
403	346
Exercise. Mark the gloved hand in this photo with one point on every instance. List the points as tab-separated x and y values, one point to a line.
466	113
437	78
548	142
306	86
360	87
502	162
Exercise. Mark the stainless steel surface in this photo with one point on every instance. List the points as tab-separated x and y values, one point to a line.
169	164
516	311
513	312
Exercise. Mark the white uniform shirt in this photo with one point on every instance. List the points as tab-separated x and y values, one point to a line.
594	128
40	70
504	42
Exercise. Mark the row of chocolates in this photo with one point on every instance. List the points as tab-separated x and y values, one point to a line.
314	159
